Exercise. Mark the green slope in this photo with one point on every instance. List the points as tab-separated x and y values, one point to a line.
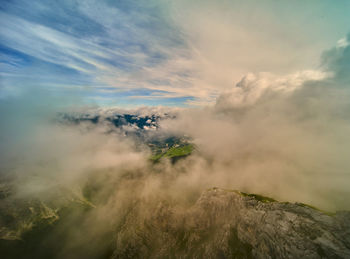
176	151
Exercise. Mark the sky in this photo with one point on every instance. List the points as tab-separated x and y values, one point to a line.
159	52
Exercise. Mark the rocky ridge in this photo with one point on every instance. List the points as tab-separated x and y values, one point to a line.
231	224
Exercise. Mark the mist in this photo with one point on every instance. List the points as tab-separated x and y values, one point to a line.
280	136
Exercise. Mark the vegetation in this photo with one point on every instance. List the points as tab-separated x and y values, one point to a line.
266	199
175	151
315	208
258	197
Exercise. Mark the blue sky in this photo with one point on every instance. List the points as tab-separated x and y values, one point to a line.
130	53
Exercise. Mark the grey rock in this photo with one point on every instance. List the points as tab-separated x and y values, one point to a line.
230	224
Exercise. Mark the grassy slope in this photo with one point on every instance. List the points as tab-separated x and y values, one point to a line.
174	152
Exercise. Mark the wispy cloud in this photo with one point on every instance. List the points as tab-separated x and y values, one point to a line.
124	54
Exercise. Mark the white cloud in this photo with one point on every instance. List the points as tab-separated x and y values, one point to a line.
252	87
342	43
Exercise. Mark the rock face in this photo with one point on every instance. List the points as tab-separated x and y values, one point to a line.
220	224
230	224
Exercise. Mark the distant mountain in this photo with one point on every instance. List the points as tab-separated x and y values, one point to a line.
143	127
134	121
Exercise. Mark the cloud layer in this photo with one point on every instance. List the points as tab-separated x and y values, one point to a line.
286	137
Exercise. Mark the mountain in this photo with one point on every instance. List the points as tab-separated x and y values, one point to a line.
219	224
231	224
142	127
